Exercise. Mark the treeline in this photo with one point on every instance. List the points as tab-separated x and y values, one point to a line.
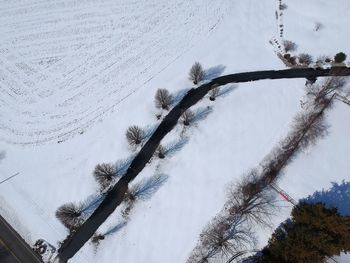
229	235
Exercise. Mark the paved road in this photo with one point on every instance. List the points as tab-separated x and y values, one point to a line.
13	249
115	196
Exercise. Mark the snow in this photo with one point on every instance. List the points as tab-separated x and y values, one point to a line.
81	72
300	23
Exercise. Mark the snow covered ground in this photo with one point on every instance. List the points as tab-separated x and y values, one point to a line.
81	72
318	27
67	63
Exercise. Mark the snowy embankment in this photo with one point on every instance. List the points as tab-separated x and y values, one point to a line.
90	61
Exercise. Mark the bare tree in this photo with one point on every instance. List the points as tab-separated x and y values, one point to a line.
252	199
161	151
318	26
213	93
129	200
70	215
163	99
135	135
309	127
320	93
197	73
305	59
222	238
97	238
142	190
104	174
323	59
289	45
283	6
187	117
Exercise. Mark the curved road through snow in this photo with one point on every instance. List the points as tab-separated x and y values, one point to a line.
114	198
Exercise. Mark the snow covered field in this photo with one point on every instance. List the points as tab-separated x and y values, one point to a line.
81	72
67	63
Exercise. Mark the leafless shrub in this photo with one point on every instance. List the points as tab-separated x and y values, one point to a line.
305	59
172	147
129	200
142	190
187	117
70	215
289	45
197	73
328	60
161	151
290	59
163	99
97	238
283	6
135	135
213	93
321	60
318	26
104	174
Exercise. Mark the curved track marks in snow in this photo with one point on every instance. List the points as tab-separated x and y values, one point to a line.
64	64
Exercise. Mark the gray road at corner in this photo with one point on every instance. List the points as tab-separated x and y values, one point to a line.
13	248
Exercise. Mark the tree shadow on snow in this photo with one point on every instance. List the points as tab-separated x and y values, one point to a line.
115	229
147	187
149	130
178	96
173	147
121	166
91	203
202	113
214	72
226	90
337	196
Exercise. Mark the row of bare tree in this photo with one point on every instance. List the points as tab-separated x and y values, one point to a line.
229	236
72	215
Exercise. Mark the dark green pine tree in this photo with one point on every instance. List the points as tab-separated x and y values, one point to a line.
313	234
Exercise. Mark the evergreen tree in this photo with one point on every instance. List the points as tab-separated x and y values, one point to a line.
313	234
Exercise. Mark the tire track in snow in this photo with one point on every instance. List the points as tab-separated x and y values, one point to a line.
78	80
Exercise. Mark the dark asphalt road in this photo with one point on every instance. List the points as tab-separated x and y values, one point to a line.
115	196
6	255
13	249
